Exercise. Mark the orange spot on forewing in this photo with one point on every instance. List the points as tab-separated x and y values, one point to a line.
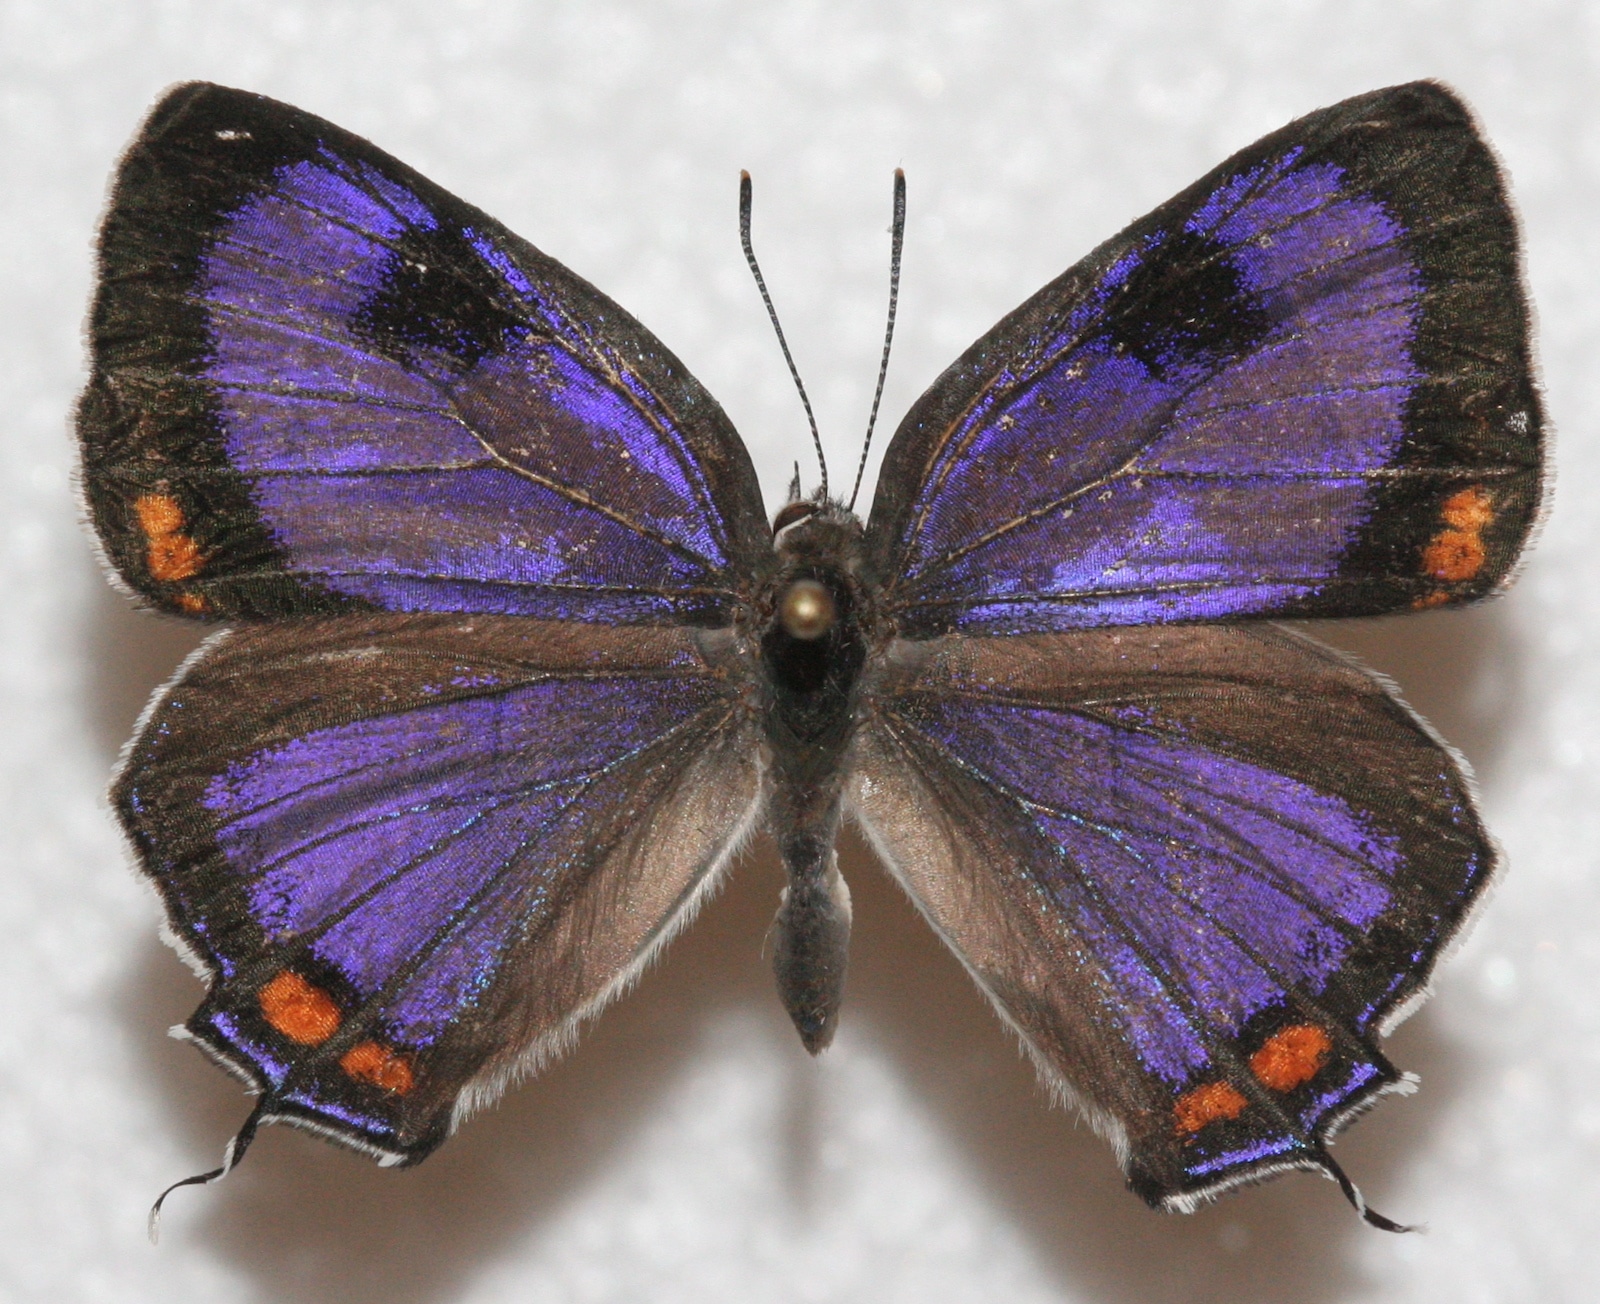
1291	1057
1207	1104
298	1010
170	554
158	514
1457	552
173	557
1454	555
1470	509
193	603
371	1062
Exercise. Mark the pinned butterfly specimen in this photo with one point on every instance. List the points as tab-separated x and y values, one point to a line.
514	660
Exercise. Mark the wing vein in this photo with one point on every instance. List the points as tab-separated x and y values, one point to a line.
1218	1049
468	911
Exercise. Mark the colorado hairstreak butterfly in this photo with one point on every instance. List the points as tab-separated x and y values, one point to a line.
515	661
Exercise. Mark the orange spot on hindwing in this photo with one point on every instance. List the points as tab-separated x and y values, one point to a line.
1210	1103
1289	1058
1457	552
170	554
298	1010
375	1063
1292	1057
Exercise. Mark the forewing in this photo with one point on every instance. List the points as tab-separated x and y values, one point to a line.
412	852
1301	387
1199	870
321	383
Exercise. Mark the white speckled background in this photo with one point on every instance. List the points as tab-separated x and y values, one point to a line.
689	1150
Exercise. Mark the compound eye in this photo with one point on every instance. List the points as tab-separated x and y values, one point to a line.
806	610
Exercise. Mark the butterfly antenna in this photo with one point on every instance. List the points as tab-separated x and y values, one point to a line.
233	1153
745	198
897	243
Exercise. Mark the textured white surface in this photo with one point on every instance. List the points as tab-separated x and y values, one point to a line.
688	1150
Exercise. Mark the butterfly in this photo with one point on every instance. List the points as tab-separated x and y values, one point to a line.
514	662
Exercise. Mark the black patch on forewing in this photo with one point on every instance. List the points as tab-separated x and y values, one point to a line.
421	306
1184	306
1414	149
147	420
1441	183
142	436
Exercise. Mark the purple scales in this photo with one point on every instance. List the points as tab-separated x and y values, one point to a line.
1167	502
489	432
415	817
1216	891
517	661
447	500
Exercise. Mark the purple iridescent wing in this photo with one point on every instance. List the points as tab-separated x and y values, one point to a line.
321	383
1199	870
411	852
1302	387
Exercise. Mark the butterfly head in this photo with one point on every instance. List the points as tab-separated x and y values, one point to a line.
818	547
795	510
